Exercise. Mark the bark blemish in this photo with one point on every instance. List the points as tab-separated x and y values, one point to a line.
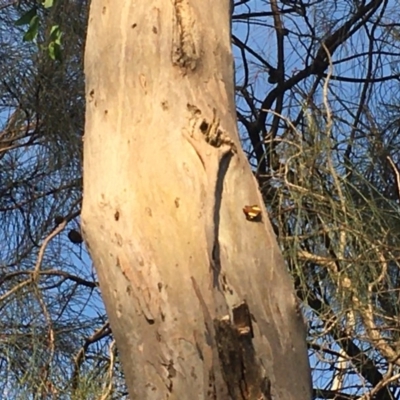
119	239
149	320
225	286
119	311
143	82
194	111
212	390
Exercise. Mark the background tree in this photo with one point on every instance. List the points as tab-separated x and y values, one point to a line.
53	326
329	173
349	293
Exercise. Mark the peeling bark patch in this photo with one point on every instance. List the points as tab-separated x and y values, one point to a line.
253	213
244	376
242	320
185	43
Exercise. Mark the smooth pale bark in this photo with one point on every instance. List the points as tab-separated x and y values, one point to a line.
198	297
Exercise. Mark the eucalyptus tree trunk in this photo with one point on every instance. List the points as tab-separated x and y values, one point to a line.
197	293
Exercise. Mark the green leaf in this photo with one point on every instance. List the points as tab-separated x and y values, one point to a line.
27	17
55	51
48	3
55	34
32	32
54	28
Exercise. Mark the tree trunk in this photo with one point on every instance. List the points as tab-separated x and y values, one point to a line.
197	293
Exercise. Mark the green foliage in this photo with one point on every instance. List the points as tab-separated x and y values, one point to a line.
32	32
48	3
30	18
55	43
33	19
